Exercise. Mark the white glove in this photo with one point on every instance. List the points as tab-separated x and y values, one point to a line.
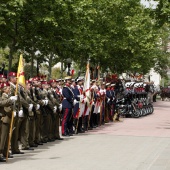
43	102
75	102
13	98
37	107
46	102
30	107
108	100
15	114
21	113
60	107
81	96
55	109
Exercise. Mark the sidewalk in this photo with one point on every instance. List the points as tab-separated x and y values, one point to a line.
133	144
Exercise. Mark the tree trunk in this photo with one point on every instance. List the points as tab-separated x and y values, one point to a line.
37	67
62	68
32	64
50	66
10	58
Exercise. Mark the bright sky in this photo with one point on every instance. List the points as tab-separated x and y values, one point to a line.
149	3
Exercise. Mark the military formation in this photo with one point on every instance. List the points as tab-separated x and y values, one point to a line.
41	107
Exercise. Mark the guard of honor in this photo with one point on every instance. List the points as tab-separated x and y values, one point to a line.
41	107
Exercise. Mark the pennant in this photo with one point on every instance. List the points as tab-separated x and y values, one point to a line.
20	73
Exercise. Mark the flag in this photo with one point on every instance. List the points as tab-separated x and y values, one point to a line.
86	87
20	73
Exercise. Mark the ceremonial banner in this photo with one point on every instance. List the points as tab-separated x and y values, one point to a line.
21	81
86	87
20	73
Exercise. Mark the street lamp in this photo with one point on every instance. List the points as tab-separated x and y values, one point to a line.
68	61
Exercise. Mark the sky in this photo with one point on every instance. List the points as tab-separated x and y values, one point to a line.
147	4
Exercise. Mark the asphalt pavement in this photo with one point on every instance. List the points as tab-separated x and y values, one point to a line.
132	144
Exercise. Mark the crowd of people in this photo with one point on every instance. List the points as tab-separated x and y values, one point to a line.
42	106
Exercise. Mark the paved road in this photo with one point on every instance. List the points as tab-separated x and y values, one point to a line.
133	144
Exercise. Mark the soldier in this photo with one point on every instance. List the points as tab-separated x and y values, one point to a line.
37	98
18	107
56	103
79	105
47	114
103	105
23	119
5	119
97	103
31	115
67	106
109	99
3	78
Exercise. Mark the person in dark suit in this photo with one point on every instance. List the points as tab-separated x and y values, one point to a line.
67	106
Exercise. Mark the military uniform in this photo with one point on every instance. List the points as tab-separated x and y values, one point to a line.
31	117
5	120
67	106
35	91
47	115
55	121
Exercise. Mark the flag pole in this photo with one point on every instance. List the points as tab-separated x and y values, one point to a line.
11	124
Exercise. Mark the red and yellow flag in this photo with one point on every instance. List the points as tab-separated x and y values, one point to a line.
20	73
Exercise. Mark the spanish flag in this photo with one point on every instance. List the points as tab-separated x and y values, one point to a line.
20	73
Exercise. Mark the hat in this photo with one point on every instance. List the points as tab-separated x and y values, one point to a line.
67	78
2	76
107	84
79	79
93	81
112	84
57	80
28	82
35	79
52	81
6	84
44	82
12	74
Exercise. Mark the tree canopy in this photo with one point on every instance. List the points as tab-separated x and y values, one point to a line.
117	34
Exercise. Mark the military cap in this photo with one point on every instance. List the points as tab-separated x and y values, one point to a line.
2	76
12	74
52	81
79	79
107	84
28	82
112	84
6	84
68	78
58	80
35	79
44	82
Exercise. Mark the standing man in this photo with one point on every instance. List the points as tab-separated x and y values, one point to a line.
55	100
67	106
18	107
5	120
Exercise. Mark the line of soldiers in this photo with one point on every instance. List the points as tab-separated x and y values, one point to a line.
42	106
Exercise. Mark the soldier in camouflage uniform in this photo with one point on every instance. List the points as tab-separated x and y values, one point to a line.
5	119
55	101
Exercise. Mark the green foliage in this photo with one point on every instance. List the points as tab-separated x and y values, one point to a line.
118	34
27	70
56	73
